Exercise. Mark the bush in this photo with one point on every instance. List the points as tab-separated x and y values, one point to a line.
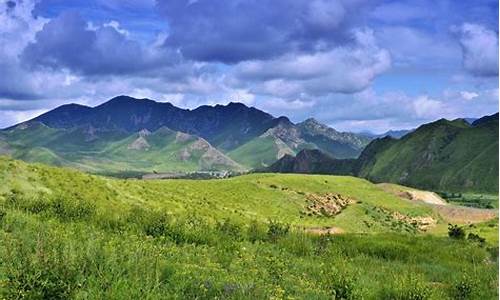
3	213
456	232
276	230
342	285
229	229
476	238
256	232
463	288
72	210
156	225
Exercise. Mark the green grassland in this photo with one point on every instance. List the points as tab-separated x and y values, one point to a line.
445	155
472	199
67	234
110	152
261	151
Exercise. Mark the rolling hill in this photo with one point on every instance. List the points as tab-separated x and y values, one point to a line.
114	152
128	135
287	138
442	155
71	235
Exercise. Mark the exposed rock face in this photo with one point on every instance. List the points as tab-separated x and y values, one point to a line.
139	144
283	149
286	132
210	156
327	205
182	137
314	128
213	157
144	132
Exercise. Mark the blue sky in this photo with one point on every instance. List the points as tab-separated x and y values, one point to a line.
353	64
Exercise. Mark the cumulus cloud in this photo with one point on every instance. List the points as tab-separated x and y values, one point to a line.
305	57
68	42
480	49
344	69
468	95
234	31
400	11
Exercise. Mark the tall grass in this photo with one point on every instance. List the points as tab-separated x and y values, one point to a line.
46	254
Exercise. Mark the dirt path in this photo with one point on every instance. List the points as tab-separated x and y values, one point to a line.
465	215
450	213
427	197
412	194
324	230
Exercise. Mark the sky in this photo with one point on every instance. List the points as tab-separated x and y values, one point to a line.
356	65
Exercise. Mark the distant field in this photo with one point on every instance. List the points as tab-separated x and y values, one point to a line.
472	199
67	234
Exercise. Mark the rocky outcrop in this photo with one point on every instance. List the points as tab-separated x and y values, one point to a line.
327	205
139	144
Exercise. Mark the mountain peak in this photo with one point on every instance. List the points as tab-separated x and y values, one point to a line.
123	99
237	104
312	121
284	121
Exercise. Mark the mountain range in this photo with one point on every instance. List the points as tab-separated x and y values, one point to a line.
127	135
442	155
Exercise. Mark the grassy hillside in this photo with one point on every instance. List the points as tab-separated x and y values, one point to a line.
115	152
443	156
261	151
67	234
287	138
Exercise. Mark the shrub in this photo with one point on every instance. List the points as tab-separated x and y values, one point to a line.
156	225
255	232
463	288
3	213
229	229
276	230
72	210
342	285
476	238
322	243
456	232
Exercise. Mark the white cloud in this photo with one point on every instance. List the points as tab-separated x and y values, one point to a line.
480	49
281	104
345	69
242	96
116	25
468	95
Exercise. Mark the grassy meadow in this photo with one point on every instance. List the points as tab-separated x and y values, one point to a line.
67	234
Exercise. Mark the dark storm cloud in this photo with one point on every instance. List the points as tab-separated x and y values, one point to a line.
68	42
234	31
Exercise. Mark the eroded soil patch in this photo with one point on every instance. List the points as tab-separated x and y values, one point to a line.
327	205
324	230
399	222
